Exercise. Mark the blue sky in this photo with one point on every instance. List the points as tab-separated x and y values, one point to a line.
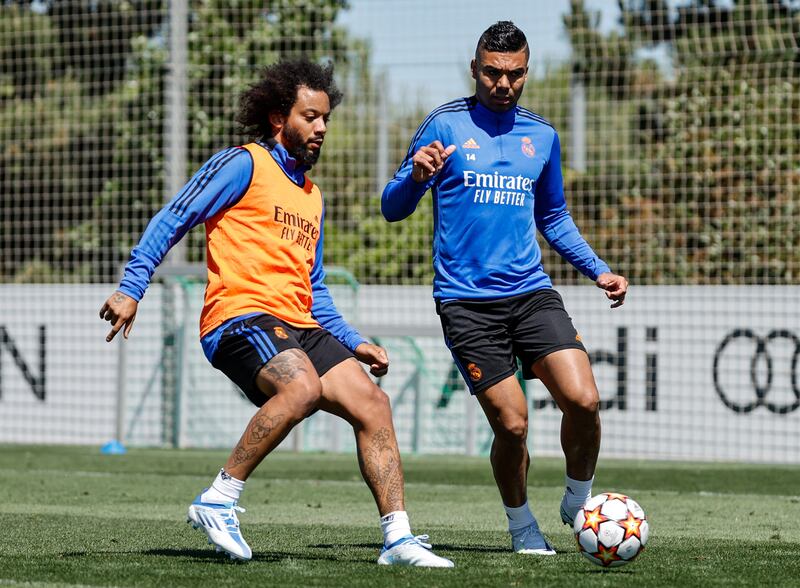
425	46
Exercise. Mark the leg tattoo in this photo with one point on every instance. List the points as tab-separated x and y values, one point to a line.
254	444
241	455
380	465
287	366
262	426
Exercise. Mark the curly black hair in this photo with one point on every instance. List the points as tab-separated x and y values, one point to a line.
277	92
502	37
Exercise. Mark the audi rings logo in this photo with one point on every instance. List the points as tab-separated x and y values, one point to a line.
761	383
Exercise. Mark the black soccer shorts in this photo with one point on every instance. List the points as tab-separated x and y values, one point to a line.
247	345
486	337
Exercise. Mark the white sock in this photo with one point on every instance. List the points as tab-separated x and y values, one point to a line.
577	492
519	517
395	526
225	488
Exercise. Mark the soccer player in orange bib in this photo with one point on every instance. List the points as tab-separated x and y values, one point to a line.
268	321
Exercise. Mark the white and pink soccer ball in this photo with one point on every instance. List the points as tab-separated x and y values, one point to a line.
611	529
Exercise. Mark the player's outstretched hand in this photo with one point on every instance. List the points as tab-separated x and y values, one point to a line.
429	161
120	311
375	357
615	287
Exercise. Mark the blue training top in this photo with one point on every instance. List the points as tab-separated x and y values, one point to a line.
502	182
218	185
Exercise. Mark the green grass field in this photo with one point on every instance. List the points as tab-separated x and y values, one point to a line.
71	516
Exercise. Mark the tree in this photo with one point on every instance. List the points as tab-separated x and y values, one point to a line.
82	111
710	197
58	125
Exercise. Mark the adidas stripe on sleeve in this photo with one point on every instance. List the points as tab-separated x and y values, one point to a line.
219	184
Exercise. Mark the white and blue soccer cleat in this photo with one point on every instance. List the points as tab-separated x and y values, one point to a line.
412	551
530	541
220	523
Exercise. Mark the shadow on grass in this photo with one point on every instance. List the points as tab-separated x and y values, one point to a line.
437	546
616	571
199	554
212	556
261	556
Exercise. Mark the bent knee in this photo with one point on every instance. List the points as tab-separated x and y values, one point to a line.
372	404
364	405
513	429
303	398
586	405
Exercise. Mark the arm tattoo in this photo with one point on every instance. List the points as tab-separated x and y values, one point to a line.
286	366
118	297
380	464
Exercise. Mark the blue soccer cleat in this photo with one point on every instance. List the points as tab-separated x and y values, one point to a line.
412	551
530	541
220	523
567	515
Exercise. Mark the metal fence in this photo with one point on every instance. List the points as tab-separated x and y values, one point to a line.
679	125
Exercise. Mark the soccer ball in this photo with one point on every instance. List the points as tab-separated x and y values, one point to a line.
611	529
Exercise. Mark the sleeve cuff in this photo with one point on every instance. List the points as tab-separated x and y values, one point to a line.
355	340
601	268
136	293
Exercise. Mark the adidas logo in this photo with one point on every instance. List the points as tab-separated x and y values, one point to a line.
470	144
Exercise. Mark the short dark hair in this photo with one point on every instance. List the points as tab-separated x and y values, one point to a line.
502	37
277	92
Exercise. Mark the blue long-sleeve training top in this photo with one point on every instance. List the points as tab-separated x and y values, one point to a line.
220	184
501	184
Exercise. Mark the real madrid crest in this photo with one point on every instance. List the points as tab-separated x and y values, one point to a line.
527	147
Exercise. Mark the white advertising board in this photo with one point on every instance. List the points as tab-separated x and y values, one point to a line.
685	372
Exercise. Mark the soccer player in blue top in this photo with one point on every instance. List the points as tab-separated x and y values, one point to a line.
494	169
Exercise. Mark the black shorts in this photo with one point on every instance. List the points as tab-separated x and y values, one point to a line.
486	337
247	345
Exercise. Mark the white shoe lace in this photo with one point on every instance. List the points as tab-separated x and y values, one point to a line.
423	541
230	514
